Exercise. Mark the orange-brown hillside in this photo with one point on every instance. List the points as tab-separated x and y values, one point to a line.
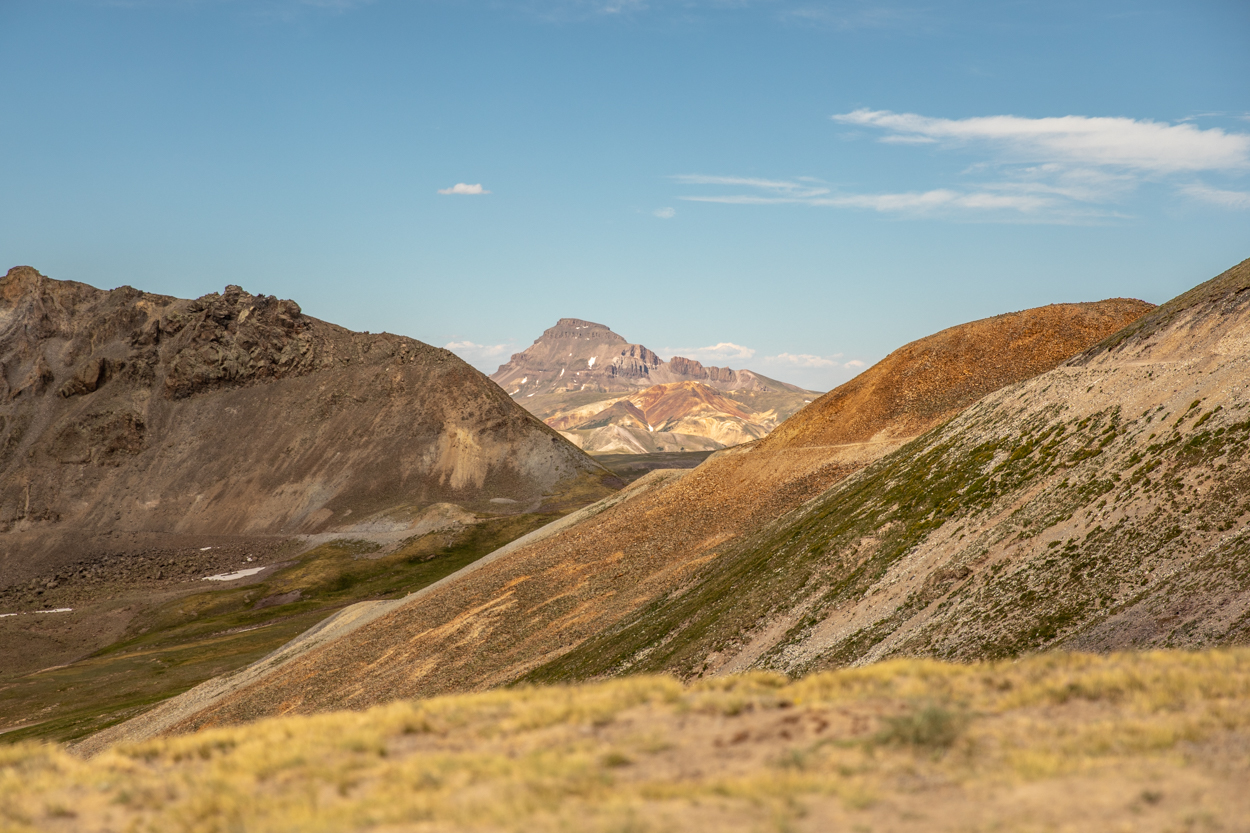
518	612
924	383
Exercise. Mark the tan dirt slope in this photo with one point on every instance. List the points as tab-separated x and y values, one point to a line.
542	601
125	414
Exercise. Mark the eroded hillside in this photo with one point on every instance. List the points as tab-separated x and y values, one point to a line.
1102	505
125	412
148	443
680	416
539	603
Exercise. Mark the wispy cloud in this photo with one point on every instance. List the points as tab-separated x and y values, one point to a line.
991	198
812	361
464	189
725	351
1217	196
1066	169
802	360
665	213
911	201
1137	144
485	357
783	189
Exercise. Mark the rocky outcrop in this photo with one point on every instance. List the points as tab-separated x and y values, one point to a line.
234	413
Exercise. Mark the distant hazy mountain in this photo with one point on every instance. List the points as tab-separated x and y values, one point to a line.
579	369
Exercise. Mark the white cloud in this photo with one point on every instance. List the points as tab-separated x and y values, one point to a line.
802	360
913	201
809	360
1217	196
1066	169
462	188
485	357
1139	144
665	213
785	190
724	351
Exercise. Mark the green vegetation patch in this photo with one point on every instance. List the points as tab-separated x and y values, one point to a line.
182	643
830	553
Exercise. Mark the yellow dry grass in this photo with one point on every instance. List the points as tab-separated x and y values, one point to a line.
1141	742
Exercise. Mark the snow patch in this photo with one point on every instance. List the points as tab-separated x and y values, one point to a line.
238	574
561	373
591	363
205	549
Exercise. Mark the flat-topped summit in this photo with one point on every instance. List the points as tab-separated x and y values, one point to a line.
576	328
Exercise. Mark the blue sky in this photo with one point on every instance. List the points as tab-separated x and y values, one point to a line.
795	187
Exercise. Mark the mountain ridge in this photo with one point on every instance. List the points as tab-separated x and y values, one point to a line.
551	608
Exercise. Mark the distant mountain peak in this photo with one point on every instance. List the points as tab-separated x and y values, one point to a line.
578	356
576	328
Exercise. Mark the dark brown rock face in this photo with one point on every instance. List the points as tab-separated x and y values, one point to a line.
237	414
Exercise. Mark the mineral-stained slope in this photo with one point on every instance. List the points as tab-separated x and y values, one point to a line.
1102	505
679	416
929	381
578	368
531	608
127	413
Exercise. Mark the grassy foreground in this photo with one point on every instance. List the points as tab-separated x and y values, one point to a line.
1140	742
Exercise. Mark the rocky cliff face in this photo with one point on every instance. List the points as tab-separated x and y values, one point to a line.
123	411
